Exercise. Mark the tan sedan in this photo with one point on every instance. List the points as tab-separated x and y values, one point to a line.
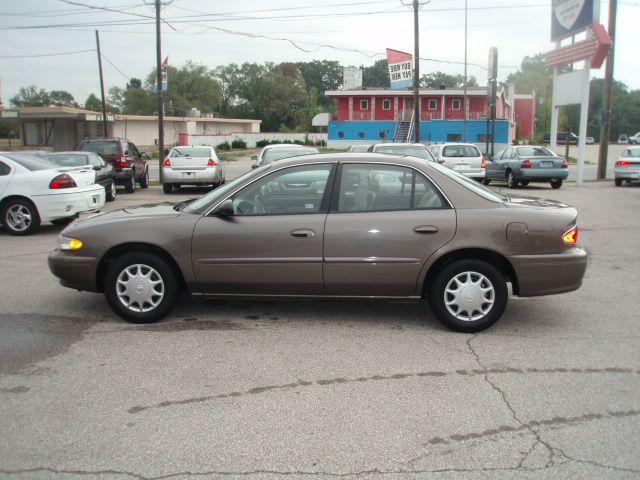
331	225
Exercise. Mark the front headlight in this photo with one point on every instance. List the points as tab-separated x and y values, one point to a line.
69	244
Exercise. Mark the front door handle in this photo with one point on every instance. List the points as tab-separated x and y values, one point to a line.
303	233
425	229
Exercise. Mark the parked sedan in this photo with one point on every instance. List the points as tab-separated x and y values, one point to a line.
627	167
521	165
284	151
462	157
197	165
331	225
105	173
34	190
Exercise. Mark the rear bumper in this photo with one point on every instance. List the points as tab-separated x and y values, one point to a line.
73	270
123	176
543	174
64	205
549	274
627	173
191	176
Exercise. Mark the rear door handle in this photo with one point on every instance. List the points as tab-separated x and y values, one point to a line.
303	233
425	229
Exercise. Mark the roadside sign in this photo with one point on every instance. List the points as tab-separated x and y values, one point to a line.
400	69
569	17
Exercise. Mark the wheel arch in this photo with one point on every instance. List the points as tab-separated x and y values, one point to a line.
8	198
492	257
116	251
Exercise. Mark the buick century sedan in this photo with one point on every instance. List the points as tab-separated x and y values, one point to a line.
359	226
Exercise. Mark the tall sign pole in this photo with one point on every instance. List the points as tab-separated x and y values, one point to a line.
605	128
159	92
464	102
104	103
416	71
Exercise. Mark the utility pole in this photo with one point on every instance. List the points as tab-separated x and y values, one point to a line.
159	91
605	127
416	71
104	103
464	102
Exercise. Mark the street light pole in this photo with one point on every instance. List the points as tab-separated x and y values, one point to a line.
159	91
605	128
416	74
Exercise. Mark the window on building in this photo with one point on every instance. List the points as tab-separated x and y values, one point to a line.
483	137
433	104
364	104
454	137
386	104
456	104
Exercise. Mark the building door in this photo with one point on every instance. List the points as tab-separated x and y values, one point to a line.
407	109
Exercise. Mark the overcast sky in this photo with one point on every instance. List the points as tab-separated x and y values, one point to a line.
517	27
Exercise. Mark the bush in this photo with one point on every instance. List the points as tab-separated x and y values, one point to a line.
224	146
262	143
298	142
238	143
321	143
275	142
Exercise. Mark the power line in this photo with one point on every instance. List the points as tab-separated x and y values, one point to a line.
114	66
56	54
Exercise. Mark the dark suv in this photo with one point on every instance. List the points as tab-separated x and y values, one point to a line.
130	165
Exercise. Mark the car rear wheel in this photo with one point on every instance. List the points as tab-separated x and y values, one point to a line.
468	295
556	184
140	287
144	180
486	181
511	180
618	182
167	187
111	192
20	217
130	186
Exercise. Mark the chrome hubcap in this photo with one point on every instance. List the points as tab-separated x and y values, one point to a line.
113	189
469	296
140	288
19	218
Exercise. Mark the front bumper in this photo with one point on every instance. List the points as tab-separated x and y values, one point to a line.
627	173
191	176
543	174
74	270
549	274
64	205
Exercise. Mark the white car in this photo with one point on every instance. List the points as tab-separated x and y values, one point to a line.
627	167
194	165
34	190
260	157
271	153
412	149
634	139
461	157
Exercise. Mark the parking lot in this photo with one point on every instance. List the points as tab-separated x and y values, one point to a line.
272	389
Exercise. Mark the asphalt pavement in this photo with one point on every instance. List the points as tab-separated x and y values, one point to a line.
296	389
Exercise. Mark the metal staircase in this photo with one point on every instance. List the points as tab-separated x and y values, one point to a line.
404	130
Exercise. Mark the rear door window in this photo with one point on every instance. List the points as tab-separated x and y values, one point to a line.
4	169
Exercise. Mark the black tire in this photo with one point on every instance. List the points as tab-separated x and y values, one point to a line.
556	184
524	183
23	206
165	273
144	180
111	192
618	182
167	187
130	186
486	181
447	274
511	180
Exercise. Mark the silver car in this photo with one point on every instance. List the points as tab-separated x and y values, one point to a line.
282	152
627	167
196	165
461	157
522	165
412	149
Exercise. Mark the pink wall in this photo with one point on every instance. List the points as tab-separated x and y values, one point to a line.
343	109
382	114
525	110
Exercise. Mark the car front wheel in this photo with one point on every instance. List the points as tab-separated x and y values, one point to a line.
20	217
140	287
167	187
468	295
144	180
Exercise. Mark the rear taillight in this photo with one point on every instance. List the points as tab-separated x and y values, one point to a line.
622	163
565	164
570	237
62	181
122	163
484	164
166	163
525	164
212	163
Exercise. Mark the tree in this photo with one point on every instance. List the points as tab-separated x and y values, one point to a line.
116	99
93	103
137	100
376	75
229	79
61	98
321	76
441	79
31	96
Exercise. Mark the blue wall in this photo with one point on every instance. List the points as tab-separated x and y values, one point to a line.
432	131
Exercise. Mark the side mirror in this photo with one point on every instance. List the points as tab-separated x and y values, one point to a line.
144	155
97	167
440	161
225	209
254	158
254	166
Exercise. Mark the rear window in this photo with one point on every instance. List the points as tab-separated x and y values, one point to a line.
30	161
69	159
414	151
280	153
460	151
191	152
632	153
534	152
101	147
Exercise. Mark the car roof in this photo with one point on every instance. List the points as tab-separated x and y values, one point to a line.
357	157
284	145
391	144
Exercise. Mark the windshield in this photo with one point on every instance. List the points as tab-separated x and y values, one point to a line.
471	184
534	152
69	159
414	151
460	151
191	152
280	153
359	148
101	147
202	203
31	162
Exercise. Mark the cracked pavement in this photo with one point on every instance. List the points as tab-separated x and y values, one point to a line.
316	389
